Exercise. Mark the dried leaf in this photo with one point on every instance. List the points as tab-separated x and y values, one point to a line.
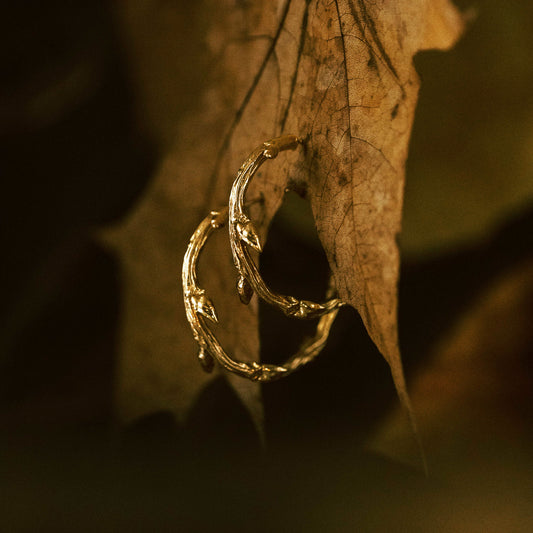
473	396
340	75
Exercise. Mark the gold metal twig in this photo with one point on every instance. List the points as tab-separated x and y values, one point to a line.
200	311
243	234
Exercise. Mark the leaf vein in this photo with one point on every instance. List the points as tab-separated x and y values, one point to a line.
244	103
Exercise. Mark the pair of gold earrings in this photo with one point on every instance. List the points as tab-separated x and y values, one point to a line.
243	235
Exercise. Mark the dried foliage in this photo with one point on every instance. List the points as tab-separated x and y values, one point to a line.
340	75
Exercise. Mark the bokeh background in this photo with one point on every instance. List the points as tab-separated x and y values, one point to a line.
90	96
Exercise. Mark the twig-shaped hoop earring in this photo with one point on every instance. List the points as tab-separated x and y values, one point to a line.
200	310
242	233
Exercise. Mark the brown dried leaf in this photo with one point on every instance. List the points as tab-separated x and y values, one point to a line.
473	397
340	75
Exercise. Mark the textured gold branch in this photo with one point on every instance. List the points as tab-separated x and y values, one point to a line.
242	233
200	311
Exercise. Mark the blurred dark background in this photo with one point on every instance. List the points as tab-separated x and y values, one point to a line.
79	143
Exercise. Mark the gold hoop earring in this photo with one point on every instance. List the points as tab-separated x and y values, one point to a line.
200	311
242	233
